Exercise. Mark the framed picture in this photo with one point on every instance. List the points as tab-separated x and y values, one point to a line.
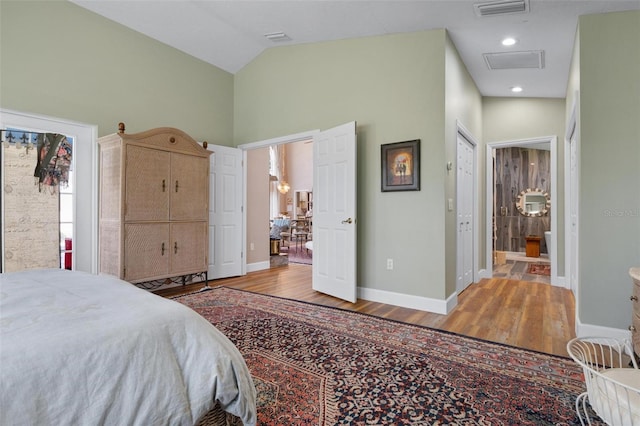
401	166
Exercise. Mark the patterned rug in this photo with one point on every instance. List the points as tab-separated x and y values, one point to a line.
298	254
325	366
539	269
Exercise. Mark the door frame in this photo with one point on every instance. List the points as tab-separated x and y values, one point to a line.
85	164
572	134
281	140
468	136
524	143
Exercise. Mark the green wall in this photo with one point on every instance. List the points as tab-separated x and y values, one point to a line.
60	60
510	119
397	87
609	228
393	86
463	105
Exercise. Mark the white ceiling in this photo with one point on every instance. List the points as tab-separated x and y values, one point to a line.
230	33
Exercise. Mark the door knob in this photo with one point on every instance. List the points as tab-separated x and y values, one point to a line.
347	221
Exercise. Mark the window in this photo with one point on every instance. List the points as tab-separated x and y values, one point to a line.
37	219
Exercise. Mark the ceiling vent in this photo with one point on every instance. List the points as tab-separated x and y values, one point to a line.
277	37
501	7
515	60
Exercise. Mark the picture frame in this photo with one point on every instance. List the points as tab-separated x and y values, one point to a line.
401	166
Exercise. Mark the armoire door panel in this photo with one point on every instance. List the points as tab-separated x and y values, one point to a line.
189	188
147	182
147	250
189	247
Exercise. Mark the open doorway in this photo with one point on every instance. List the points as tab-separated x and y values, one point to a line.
74	243
522	210
291	203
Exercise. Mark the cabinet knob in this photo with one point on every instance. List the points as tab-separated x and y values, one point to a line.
176	186
164	185
162	249
175	248
632	328
634	298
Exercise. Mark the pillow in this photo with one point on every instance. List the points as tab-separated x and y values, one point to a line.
274	234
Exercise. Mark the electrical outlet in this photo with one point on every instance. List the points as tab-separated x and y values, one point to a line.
251	246
389	264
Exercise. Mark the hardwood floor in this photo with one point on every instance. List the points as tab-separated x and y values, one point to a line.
529	315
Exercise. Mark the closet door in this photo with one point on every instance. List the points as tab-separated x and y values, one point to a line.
146	184
189	187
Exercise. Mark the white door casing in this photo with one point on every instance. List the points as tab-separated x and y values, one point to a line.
334	212
571	194
464	211
551	141
85	166
225	212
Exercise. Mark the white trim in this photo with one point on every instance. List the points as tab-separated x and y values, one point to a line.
587	330
85	164
258	266
296	137
553	141
572	129
484	273
437	306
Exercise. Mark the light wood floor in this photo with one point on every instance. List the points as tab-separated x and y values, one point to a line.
529	315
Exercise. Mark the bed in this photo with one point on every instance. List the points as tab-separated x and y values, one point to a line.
77	348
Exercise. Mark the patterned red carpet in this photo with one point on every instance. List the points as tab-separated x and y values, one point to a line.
314	365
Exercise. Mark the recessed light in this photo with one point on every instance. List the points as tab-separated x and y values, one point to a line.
509	41
516	89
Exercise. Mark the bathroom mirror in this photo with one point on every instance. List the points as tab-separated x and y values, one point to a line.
533	202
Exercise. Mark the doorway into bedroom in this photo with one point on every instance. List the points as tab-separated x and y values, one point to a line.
37	181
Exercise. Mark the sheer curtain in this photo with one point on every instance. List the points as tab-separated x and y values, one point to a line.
274	170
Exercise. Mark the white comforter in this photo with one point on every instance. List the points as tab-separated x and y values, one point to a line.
82	349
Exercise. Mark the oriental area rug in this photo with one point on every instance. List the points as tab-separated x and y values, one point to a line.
539	268
317	365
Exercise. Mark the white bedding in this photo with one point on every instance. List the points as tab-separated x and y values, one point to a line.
82	349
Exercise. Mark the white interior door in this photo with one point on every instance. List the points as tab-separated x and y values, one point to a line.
465	217
225	212
334	212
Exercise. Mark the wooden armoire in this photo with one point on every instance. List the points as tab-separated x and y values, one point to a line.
154	205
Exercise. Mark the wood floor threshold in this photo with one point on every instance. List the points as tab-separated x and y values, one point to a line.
530	315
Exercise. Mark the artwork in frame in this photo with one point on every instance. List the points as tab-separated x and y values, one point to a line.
401	166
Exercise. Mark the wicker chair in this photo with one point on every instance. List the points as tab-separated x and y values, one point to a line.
612	379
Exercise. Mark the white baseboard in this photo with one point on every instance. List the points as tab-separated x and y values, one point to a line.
590	330
437	306
484	273
258	266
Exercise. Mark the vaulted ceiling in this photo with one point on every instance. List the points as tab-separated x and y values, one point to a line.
230	34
